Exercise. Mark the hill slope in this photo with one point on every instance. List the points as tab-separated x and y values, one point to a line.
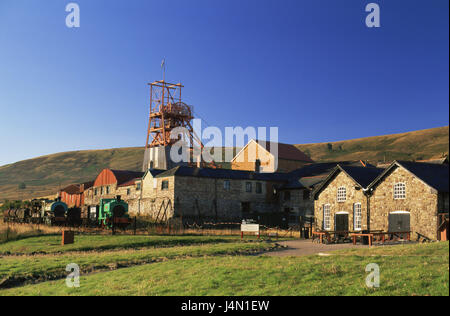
44	175
417	145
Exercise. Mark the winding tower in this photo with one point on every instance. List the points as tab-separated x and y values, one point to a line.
168	113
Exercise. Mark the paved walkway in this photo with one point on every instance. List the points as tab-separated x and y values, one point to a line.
306	247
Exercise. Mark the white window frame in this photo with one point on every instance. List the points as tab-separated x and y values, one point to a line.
399	191
357	218
326	216
341	194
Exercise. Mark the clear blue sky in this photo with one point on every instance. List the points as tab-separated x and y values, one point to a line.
311	67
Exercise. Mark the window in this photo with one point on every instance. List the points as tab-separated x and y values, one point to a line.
165	185
326	217
101	191
248	187
107	190
95	191
128	191
258	187
226	185
399	191
341	194
287	195
357	216
305	194
138	186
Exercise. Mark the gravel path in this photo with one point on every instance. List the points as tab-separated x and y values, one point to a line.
306	247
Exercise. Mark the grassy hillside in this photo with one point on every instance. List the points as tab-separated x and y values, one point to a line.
44	175
417	145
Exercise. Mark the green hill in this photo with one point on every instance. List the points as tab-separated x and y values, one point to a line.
44	175
417	145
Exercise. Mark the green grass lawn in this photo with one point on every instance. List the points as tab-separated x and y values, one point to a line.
52	244
21	269
405	270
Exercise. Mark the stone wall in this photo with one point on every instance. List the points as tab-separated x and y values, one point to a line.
298	204
154	201
93	195
209	199
329	196
421	202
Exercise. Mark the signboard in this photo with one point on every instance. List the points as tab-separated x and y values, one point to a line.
250	228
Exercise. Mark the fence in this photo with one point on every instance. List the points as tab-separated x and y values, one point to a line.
145	226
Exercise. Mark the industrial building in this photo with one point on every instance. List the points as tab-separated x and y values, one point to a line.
273	183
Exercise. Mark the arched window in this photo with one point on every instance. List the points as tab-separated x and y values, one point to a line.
399	191
341	194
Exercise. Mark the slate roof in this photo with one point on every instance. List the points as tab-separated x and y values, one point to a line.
323	168
286	151
129	183
363	176
434	175
123	176
185	171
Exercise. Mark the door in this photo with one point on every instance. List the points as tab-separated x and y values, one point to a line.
399	222
341	221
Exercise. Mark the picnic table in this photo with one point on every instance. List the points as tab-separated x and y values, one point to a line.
327	234
381	235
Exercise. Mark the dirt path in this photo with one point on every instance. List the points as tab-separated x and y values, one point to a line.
306	247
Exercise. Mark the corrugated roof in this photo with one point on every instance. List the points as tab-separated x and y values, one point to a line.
185	171
72	189
286	151
78	188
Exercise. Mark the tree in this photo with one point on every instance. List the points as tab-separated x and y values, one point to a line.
22	186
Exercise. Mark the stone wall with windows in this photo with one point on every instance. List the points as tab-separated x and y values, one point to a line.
298	203
329	195
93	195
420	201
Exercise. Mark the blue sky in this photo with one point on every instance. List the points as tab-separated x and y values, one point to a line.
310	67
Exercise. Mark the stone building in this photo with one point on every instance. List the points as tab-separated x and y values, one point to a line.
269	157
340	202
108	185
205	194
406	196
295	195
410	196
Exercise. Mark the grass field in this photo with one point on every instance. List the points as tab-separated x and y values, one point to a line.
52	244
209	266
13	231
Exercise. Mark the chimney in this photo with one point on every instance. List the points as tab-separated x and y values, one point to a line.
258	166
